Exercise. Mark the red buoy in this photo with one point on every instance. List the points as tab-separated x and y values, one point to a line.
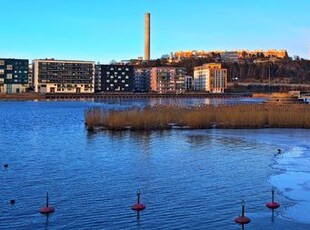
273	204
242	219
47	209
138	206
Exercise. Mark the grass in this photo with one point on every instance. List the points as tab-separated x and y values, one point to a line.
201	117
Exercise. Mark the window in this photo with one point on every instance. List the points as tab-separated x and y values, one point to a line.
1	62
9	76
1	71
9	67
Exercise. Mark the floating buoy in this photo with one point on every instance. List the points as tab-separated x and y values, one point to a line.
138	206
242	219
47	209
273	204
12	202
5	166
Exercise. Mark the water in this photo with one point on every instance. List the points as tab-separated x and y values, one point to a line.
189	179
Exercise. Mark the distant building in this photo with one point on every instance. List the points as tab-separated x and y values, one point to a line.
13	75
167	79
211	78
189	83
230	56
114	78
142	80
63	76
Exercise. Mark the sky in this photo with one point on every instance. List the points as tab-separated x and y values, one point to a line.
105	30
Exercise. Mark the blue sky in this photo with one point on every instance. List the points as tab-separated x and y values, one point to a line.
102	30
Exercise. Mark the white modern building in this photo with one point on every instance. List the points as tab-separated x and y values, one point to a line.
63	76
211	78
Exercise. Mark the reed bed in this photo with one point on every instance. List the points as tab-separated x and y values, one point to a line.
201	117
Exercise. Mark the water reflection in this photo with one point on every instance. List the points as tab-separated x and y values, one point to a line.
143	139
199	140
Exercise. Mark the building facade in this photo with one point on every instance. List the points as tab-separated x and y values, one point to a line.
189	83
13	75
167	79
63	76
211	78
114	78
142	80
230	56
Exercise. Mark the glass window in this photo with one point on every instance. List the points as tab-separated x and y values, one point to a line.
1	71
9	76
1	62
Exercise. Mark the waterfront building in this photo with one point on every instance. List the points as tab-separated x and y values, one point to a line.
30	76
63	76
142	80
167	79
114	78
13	75
189	83
210	77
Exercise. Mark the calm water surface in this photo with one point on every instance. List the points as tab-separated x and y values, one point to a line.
189	179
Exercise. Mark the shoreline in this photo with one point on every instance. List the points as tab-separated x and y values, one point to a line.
66	96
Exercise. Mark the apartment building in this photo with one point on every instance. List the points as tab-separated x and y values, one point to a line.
114	78
13	75
167	79
211	78
142	80
63	76
189	83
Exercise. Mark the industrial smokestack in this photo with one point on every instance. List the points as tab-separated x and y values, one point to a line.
147	41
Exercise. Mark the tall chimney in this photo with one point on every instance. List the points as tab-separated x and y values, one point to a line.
147	41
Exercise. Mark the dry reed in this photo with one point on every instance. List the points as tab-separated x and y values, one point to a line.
201	117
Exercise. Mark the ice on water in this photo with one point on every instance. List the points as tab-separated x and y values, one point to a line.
294	181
